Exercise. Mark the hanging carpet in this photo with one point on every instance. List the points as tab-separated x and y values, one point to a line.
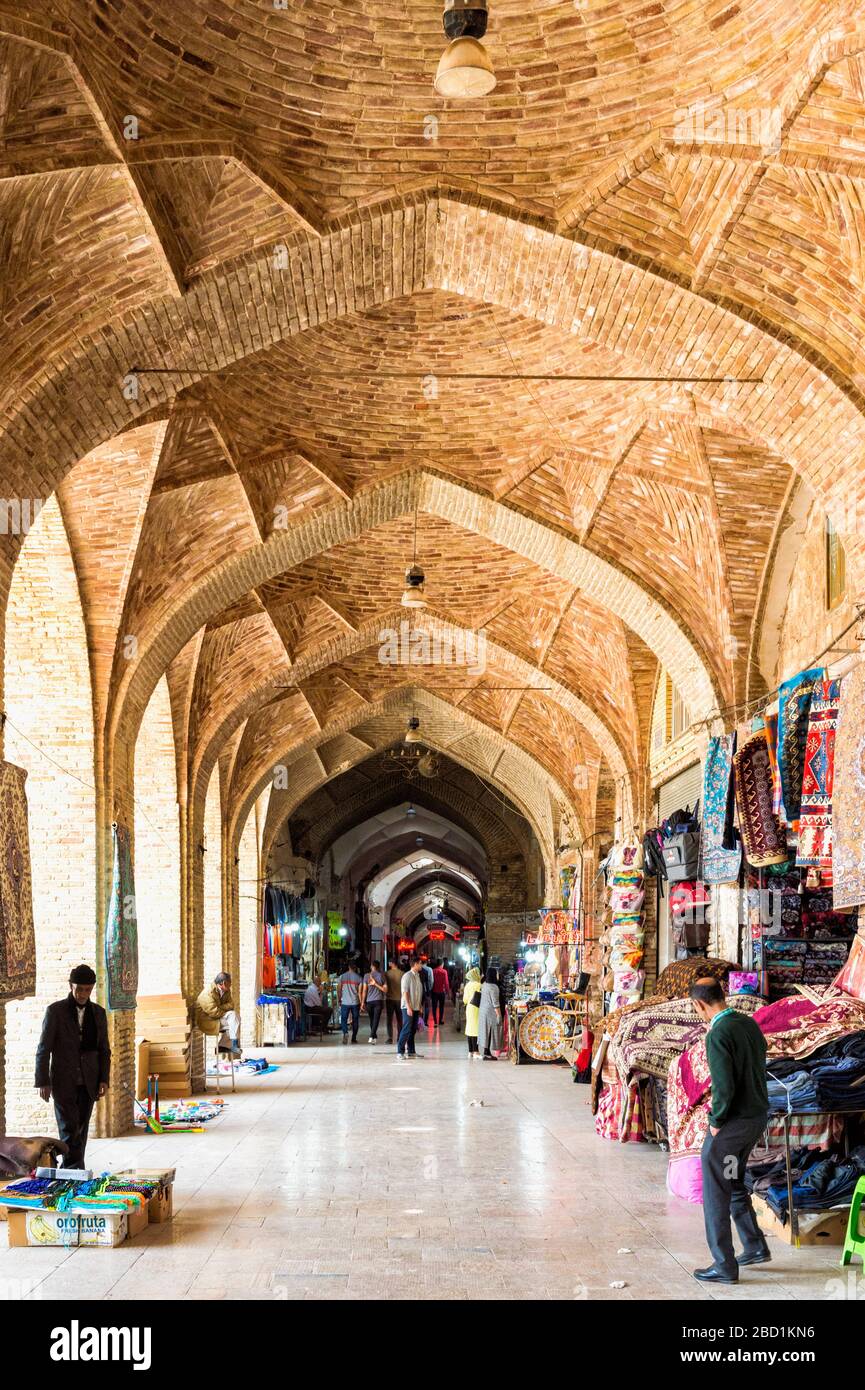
17	937
121	931
762	834
815	821
794	703
848	799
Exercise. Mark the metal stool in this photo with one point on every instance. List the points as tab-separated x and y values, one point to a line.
218	1055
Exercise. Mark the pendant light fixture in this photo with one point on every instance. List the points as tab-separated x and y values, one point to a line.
465	69
412	734
414	579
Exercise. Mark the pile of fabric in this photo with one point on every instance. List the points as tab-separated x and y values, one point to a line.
795	1029
644	1042
109	1192
820	1181
624	936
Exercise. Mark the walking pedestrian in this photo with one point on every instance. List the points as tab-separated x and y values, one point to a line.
736	1051
439	991
393	982
427	978
373	996
490	1016
472	1000
411	997
348	989
73	1061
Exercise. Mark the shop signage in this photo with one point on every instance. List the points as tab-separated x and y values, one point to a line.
437	935
336	939
404	944
468	927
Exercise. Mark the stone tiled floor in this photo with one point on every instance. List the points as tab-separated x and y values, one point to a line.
346	1175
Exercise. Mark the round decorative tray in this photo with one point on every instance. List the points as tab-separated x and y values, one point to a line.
543	1033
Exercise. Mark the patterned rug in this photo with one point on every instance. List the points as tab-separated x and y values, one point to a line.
719	862
121	930
17	937
848	799
762	834
794	703
815	822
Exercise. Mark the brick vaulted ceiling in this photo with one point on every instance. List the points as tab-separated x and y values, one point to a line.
275	203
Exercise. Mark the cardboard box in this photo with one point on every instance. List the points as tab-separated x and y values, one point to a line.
34	1227
815	1227
160	1208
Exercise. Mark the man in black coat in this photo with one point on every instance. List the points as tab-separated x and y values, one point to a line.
73	1061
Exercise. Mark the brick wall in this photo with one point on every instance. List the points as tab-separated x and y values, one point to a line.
157	850
47	685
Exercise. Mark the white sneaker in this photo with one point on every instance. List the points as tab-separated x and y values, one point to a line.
400	1056
370	1040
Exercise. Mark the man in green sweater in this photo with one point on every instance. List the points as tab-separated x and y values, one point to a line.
740	1109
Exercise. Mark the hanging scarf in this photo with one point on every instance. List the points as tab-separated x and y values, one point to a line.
89	1036
720	861
794	703
815	824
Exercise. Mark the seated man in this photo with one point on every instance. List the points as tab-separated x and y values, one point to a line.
215	1014
314	1004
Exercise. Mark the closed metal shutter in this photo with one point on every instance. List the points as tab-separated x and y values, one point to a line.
682	790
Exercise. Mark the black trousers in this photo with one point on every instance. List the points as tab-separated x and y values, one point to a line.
374	1011
438	1007
394	1019
73	1122
472	1042
723	1159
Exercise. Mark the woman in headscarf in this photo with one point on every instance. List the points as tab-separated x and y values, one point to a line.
471	1000
490	1016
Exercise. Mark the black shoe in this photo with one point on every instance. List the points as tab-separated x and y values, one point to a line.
759	1257
713	1275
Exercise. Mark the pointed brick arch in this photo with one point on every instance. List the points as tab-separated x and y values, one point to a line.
530	788
449	242
329	526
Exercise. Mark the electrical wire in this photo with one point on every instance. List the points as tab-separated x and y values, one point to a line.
749	708
90	786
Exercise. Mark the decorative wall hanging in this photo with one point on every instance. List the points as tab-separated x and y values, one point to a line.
762	834
720	858
121	930
815	821
17	937
848	799
794	703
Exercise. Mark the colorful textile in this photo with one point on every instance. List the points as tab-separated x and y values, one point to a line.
815	821
784	1015
852	978
121	931
568	878
719	860
647	1040
618	1115
833	1019
762	834
17	938
848	800
794	703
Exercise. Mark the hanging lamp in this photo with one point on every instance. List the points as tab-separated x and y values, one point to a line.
465	69
414	579
412	734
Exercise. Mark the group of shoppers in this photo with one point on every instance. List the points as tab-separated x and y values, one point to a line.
381	992
483	1006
